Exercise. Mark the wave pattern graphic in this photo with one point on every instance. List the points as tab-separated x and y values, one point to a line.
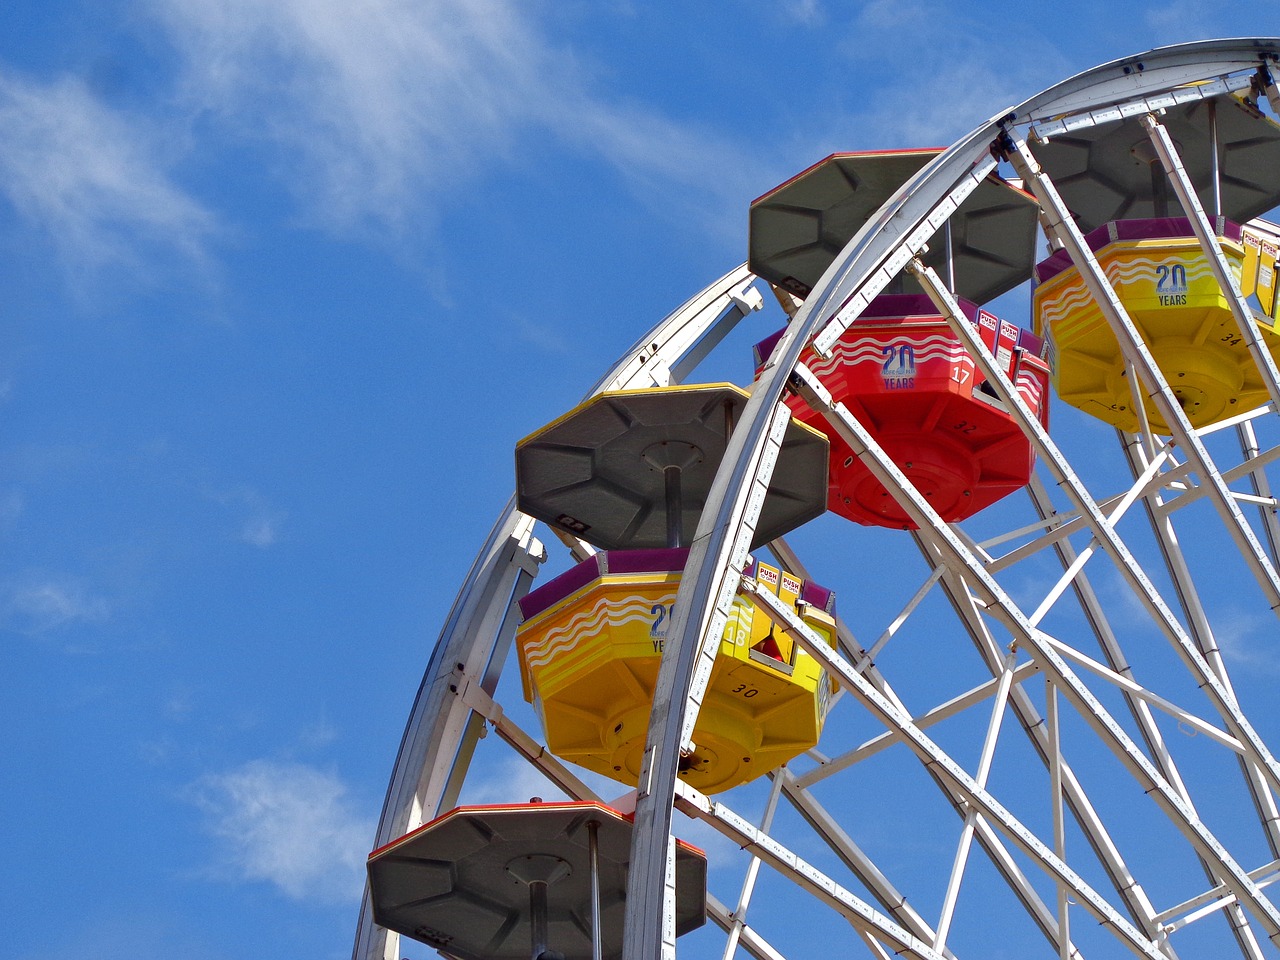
1074	299
868	349
1137	270
1029	387
937	347
587	623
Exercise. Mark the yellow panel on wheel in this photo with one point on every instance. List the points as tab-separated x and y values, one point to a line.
1266	283
1166	284
591	645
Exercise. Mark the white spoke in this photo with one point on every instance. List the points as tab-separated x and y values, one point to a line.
1042	708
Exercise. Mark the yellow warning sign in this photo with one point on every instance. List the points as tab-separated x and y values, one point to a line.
1249	269
1266	287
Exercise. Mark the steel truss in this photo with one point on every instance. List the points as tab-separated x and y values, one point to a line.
1084	673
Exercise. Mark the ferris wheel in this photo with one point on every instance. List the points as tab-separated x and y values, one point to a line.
957	627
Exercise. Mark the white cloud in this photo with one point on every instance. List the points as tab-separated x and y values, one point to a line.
260	526
966	94
896	16
1178	21
808	12
1246	640
260	531
90	177
41	604
961	79
548	337
385	107
374	97
289	825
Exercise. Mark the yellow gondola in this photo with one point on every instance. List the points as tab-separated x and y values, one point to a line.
628	472
590	648
1163	278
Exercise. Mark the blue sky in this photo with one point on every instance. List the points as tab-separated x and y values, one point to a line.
283	284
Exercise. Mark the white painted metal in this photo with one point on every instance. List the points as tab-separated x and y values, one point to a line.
1182	186
1056	668
998	705
1153	382
429	766
1099	524
1084	536
861	914
990	808
753	871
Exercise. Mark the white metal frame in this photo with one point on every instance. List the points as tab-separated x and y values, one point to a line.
1042	680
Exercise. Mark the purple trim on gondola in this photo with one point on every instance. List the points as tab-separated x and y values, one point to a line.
887	306
903	305
1029	342
648	561
893	306
575	578
1155	228
613	562
818	597
764	349
640	561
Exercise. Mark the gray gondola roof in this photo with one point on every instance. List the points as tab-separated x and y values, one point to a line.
800	227
1109	171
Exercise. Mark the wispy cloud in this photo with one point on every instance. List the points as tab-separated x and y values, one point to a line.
897	16
808	12
259	522
1178	21
932	100
1246	641
384	108
515	781
40	604
287	824
260	532
544	336
91	178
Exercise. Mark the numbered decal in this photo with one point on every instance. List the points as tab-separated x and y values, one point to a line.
899	367
658	629
1171	284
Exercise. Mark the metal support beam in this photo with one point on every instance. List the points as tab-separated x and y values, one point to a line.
1155	387
1223	701
862	915
433	753
1108	730
938	760
1205	233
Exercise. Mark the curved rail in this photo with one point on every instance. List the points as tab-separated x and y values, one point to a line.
442	729
885	245
473	643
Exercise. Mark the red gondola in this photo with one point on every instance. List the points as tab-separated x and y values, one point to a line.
903	373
